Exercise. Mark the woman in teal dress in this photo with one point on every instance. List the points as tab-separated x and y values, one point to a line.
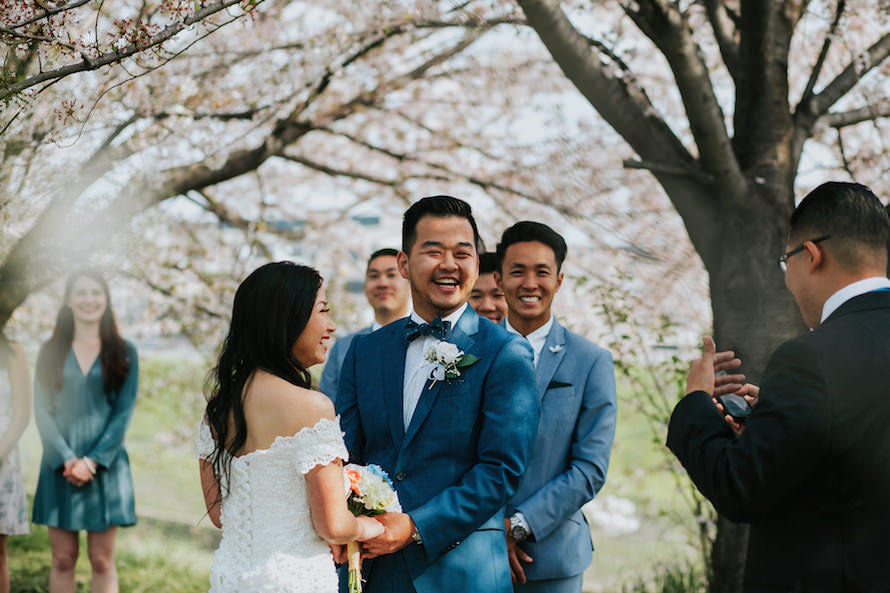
84	394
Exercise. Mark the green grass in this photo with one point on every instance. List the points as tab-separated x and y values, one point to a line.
151	558
171	548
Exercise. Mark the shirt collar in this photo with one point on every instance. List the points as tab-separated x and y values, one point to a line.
852	290
537	338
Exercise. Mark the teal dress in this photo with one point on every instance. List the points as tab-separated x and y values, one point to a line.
83	421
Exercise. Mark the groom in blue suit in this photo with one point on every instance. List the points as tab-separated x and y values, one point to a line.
454	431
548	538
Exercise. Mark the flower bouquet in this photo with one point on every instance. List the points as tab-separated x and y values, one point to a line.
368	492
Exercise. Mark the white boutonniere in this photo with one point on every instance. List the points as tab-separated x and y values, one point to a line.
449	359
555	348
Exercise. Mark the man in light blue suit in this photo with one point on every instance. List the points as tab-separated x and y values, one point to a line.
454	433
548	538
389	296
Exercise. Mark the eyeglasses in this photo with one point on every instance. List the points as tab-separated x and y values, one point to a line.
783	259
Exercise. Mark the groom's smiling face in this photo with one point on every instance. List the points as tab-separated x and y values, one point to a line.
441	266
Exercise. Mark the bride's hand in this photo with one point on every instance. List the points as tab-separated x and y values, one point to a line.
369	528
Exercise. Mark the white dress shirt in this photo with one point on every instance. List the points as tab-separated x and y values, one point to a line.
417	369
852	290
537	338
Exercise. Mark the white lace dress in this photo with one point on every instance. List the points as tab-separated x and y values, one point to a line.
268	541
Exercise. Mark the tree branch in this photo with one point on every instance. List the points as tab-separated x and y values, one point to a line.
724	26
669	30
849	77
613	92
48	12
823	53
855	116
116	56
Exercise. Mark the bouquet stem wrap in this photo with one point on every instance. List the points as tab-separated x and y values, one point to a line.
368	492
355	567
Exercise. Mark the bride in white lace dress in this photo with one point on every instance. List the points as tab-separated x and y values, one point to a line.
270	448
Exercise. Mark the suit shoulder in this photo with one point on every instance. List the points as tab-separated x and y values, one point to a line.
372	338
588	347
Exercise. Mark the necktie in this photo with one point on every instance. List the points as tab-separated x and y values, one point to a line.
437	328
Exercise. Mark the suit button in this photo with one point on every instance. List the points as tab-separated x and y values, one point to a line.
401	476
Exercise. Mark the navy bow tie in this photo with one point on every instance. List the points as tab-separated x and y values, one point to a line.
437	328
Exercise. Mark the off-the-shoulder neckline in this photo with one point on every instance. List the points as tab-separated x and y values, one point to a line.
282	440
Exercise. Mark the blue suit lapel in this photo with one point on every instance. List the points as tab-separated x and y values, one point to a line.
462	336
393	368
550	357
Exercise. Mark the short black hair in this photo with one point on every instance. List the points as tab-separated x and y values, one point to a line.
439	206
850	213
488	262
528	230
385	252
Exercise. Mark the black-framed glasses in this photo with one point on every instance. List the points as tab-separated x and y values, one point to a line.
782	260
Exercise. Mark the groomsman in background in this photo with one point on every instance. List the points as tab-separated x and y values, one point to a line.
548	537
487	298
390	297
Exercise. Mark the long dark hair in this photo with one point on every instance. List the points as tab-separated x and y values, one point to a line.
113	353
271	309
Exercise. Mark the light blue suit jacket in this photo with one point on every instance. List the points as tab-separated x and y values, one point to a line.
575	382
459	460
330	376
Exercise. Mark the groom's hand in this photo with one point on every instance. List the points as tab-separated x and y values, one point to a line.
397	531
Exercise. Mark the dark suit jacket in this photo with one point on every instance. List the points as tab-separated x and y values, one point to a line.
811	472
459	460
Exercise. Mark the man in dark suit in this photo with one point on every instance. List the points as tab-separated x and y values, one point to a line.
389	296
454	433
811	470
548	538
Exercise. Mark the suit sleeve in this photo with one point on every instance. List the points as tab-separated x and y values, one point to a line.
110	443
510	411
746	478
591	447
346	405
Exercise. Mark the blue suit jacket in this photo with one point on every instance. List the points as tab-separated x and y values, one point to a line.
459	460
576	384
330	376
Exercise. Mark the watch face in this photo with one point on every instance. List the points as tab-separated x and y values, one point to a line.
518	532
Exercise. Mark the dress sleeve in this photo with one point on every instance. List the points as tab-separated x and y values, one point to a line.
204	444
110	444
56	449
319	445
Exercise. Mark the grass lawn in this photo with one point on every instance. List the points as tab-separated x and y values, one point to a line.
171	548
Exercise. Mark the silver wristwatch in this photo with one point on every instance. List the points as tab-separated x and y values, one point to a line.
415	535
518	528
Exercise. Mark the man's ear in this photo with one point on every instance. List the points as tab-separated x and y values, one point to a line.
497	279
816	255
402	262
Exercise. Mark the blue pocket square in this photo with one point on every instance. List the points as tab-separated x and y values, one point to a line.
555	384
